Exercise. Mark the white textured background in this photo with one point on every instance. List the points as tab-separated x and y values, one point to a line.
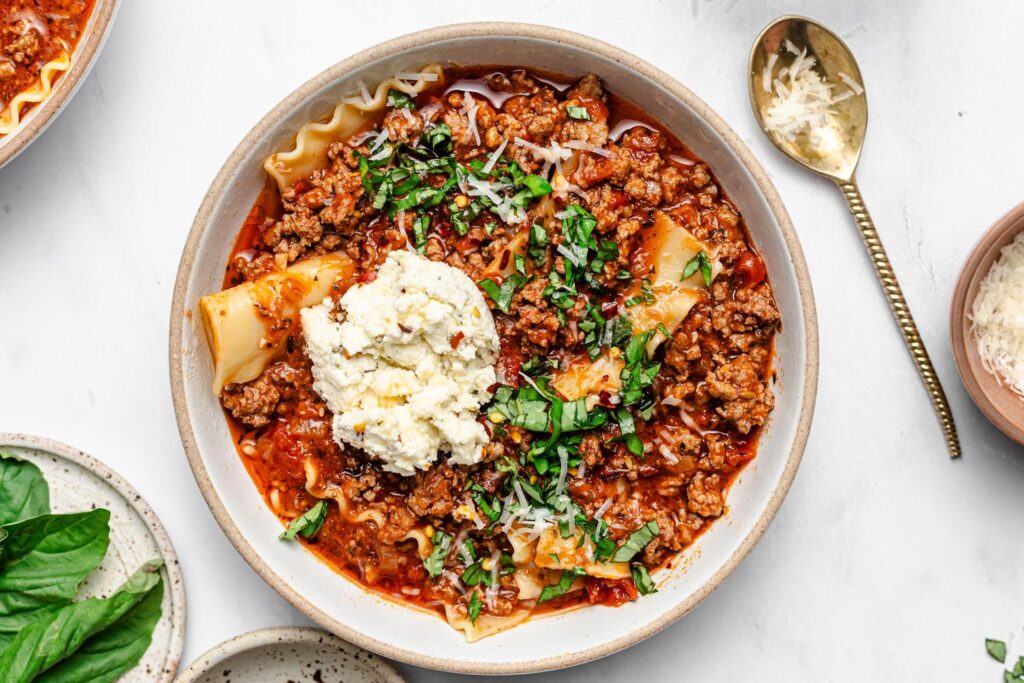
887	561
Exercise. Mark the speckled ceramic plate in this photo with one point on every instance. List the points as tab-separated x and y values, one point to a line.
79	482
298	655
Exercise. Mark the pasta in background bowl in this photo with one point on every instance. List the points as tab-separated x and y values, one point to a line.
566	637
46	49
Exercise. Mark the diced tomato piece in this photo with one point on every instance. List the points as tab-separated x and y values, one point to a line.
611	592
749	270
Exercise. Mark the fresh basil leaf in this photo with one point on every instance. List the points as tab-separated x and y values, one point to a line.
502	294
44	559
996	649
492	512
539	240
537	185
1018	668
308	524
646	295
562	587
634	444
419	233
636	542
399	100
578	113
699	261
642	580
475	574
23	490
115	650
474	607
42	644
438	138
434	563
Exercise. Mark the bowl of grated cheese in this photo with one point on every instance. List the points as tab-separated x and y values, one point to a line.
987	324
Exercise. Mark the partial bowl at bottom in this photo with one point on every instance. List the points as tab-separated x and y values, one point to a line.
300	655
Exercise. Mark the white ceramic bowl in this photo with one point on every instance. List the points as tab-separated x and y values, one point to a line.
398	631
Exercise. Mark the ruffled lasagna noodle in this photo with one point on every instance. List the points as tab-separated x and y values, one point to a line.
350	116
11	117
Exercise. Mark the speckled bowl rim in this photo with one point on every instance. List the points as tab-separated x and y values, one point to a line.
44	113
175	582
390	48
274	636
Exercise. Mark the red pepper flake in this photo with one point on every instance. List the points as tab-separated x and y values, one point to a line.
456	340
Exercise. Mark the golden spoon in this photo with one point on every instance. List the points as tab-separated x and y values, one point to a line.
831	146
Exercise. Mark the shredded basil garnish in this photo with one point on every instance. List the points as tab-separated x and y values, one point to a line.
562	587
308	524
578	113
642	580
399	100
636	542
701	261
474	607
502	294
434	563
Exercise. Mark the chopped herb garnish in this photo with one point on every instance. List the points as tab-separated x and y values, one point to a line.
562	587
466	552
502	294
539	240
702	262
308	524
642	580
554	558
646	295
434	563
474	607
475	574
578	113
996	649
419	232
399	100
636	542
491	510
438	138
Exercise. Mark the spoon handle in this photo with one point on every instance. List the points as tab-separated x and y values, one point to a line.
902	312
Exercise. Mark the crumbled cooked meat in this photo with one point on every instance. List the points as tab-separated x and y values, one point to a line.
435	491
403	126
25	46
745	400
255	403
704	495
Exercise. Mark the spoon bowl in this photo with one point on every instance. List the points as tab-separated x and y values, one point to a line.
833	147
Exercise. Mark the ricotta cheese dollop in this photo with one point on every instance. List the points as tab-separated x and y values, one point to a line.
405	362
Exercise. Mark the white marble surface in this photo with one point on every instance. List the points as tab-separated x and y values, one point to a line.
887	561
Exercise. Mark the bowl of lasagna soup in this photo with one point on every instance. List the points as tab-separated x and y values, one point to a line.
493	349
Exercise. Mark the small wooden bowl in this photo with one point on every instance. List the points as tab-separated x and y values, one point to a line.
997	401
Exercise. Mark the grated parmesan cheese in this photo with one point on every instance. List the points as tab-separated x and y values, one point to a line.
495	156
470	109
997	317
801	98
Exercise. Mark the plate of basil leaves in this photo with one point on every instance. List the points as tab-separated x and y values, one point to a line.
90	587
